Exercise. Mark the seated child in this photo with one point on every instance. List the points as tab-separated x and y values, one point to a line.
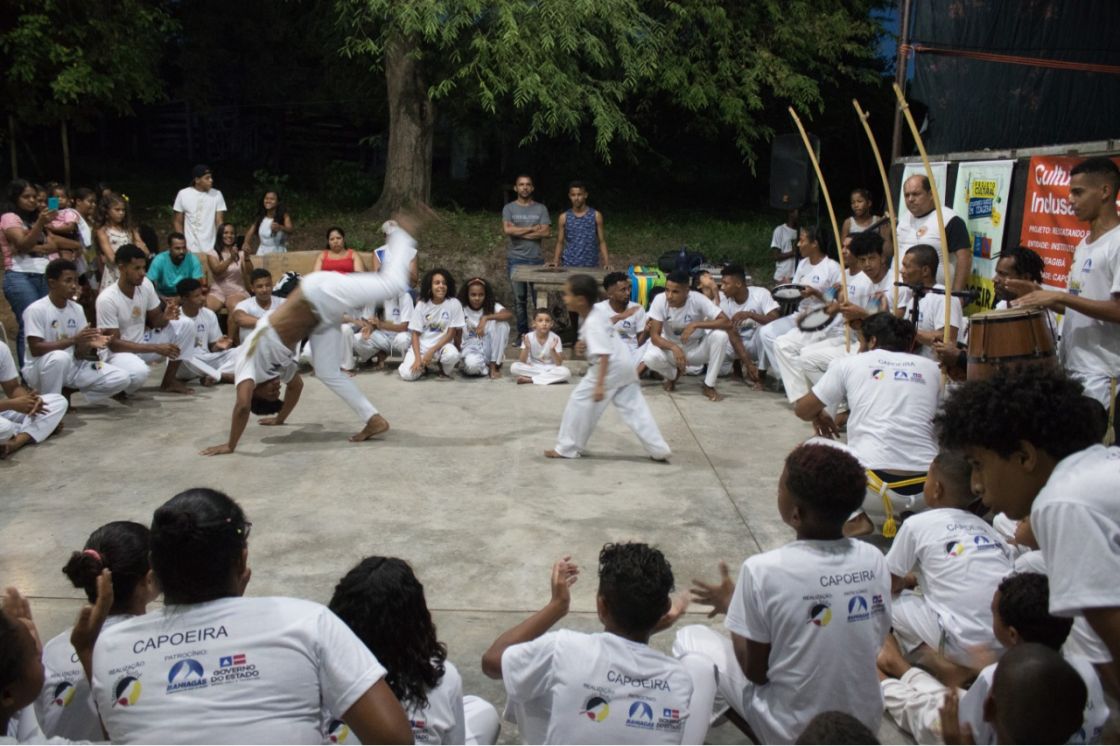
383	603
542	355
1019	615
255	307
806	620
25	417
608	687
627	317
383	331
212	357
961	560
434	323
486	334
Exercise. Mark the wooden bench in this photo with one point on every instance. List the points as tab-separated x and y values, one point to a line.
546	279
289	261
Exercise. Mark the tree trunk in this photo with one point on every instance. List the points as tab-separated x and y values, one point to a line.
408	170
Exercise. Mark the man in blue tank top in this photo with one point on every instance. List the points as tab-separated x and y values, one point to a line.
581	241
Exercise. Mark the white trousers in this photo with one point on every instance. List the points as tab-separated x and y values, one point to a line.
542	373
914	701
206	364
333	295
179	332
718	682
802	358
1097	386
583	412
328	343
477	357
38	427
710	352
391	343
447	358
769	335
56	370
481	720
753	343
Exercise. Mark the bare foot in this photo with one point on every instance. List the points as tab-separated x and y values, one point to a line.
122	397
376	426
711	393
523	379
379	361
861	525
441	376
8	447
495	372
891	660
349	372
552	454
669	385
176	387
207	382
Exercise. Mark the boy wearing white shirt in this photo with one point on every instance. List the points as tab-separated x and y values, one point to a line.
542	354
384	334
629	318
25	417
919	268
609	687
256	306
1030	440
806	620
961	560
212	357
686	329
199	210
62	347
126	310
748	308
783	247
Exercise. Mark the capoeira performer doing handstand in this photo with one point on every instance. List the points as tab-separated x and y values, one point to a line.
610	379
315	308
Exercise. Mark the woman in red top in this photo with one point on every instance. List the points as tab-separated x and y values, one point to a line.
338	258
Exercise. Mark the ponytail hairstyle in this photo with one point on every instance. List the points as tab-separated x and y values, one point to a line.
198	538
122	547
487	299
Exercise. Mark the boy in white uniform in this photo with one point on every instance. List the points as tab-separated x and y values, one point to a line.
609	379
783	247
961	560
25	417
806	620
62	347
1030	439
261	302
686	329
609	687
316	308
919	267
199	210
213	357
892	396
126	310
629	318
383	336
542	354
749	308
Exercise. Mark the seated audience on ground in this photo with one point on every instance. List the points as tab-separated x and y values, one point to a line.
562	685
919	268
170	267
62	348
254	308
1032	440
686	328
485	335
806	620
25	416
892	396
960	559
383	331
383	602
748	308
435	321
542	354
212	357
628	318
305	656
140	330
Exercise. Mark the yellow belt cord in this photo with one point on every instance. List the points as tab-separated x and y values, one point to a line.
890	526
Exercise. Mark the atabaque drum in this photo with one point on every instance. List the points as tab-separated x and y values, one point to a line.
1009	337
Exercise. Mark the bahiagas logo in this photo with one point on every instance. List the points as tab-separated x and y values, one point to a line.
857	609
126	692
596	708
63	694
186	674
640	715
820	615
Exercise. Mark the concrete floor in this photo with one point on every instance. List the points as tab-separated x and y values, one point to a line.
459	488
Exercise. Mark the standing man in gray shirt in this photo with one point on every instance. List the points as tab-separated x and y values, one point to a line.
525	222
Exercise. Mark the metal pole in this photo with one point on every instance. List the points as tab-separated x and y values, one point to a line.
900	78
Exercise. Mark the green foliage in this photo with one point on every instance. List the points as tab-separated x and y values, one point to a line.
67	60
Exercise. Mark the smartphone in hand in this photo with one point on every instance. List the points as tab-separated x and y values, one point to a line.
52	203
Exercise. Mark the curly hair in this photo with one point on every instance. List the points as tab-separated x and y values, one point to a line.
101	217
890	332
122	547
827	480
383	603
487	295
1043	407
1024	603
635	581
429	276
1027	262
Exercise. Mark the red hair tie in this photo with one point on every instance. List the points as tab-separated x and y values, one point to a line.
93	553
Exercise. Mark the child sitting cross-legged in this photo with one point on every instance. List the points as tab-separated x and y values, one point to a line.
542	357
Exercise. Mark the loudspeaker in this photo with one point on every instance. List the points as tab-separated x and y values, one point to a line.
792	181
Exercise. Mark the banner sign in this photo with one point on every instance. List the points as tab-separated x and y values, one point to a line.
980	199
1049	225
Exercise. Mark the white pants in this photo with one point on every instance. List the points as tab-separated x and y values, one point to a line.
447	358
481	721
718	682
346	354
753	343
179	332
56	370
477	357
710	351
802	355
206	364
769	335
583	412
1097	386
542	373
38	427
333	295
391	343
914	701
914	623
328	344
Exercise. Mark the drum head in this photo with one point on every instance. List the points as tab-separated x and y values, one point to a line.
814	320
1005	314
787	292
